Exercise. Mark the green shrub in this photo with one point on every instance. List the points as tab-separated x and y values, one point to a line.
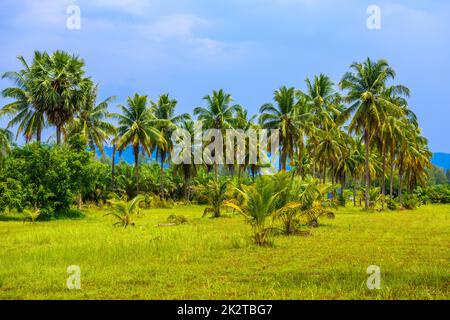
392	204
45	177
410	202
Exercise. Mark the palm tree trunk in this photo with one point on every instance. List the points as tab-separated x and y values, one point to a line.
400	187
189	188
163	159
392	172
383	178
324	174
136	166
367	142
79	201
300	157
58	135
354	191
113	168
38	134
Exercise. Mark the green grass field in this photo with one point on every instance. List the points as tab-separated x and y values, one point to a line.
215	259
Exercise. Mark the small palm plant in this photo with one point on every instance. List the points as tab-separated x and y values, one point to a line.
258	206
31	215
216	193
310	194
123	210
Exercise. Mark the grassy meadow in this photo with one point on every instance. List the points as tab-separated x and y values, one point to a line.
216	259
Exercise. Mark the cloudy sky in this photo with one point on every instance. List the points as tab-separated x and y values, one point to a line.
248	47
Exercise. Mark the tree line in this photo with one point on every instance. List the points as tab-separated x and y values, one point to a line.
359	133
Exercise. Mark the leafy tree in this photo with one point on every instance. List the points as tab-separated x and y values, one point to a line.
437	176
44	177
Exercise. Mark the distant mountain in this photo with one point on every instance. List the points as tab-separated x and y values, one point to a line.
441	160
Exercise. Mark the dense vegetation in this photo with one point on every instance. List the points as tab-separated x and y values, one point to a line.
362	144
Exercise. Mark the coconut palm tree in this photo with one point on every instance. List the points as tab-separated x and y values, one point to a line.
25	110
365	84
329	148
323	99
187	169
60	85
413	159
91	121
243	122
282	116
138	127
164	111
218	114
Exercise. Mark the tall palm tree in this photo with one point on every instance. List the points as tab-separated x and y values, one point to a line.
391	128
60	85
282	116
91	121
329	148
164	110
114	140
243	122
25	110
138	127
218	114
413	159
365	84
188	169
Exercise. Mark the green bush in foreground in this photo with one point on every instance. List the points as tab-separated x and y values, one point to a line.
259	207
124	210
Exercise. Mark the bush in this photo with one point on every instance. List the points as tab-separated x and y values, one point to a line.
410	202
433	194
45	177
392	204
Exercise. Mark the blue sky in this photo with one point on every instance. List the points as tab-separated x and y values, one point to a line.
248	47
